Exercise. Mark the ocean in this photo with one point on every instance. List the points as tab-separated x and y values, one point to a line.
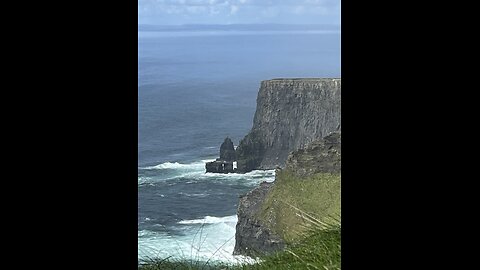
194	89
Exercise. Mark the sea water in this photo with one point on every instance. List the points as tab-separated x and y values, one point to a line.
194	89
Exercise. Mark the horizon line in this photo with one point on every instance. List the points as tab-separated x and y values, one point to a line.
224	24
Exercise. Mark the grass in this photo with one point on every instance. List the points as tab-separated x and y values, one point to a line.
320	250
305	212
294	205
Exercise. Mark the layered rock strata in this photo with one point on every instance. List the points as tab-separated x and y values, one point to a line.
290	114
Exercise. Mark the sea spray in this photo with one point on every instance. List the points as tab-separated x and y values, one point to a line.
168	231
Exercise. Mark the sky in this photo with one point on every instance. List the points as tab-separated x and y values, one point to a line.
177	12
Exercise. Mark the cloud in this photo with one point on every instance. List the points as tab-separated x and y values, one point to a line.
238	11
233	9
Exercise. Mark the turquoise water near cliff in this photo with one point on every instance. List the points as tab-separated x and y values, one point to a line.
194	89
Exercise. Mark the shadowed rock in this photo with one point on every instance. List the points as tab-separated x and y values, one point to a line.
227	151
219	166
252	238
290	114
224	164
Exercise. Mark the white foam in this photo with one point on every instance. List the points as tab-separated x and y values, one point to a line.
201	195
143	180
211	220
176	165
196	172
215	242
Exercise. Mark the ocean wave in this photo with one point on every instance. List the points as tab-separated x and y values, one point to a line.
211	220
215	242
147	233
144	180
177	165
201	195
195	171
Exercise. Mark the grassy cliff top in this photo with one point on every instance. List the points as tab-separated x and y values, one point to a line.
294	206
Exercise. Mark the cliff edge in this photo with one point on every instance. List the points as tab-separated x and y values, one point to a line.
290	114
306	194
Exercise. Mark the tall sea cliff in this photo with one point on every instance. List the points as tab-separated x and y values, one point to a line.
297	129
290	114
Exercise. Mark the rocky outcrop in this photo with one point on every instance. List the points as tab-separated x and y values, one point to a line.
227	150
319	156
290	114
224	164
219	166
252	238
254	234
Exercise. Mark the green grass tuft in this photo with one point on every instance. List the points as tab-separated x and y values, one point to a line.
295	205
320	250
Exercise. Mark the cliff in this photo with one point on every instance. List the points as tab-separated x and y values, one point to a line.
290	114
305	194
251	236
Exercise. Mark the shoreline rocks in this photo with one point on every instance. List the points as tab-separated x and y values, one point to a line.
226	163
219	166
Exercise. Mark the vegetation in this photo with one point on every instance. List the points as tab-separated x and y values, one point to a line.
305	212
296	205
320	250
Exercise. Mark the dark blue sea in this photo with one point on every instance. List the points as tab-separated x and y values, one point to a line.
194	89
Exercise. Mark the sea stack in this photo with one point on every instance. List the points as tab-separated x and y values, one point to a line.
227	151
224	164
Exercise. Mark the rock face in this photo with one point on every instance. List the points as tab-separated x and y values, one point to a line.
252	237
227	151
319	156
290	114
219	166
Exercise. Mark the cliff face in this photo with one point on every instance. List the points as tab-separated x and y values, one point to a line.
251	236
275	214
290	114
321	156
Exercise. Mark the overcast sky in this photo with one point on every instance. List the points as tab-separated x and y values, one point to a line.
238	11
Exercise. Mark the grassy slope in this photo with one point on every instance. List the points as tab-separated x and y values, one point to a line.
294	205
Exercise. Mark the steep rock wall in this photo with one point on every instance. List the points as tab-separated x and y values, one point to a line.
290	114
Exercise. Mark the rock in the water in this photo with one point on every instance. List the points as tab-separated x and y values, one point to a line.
227	151
219	166
224	164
